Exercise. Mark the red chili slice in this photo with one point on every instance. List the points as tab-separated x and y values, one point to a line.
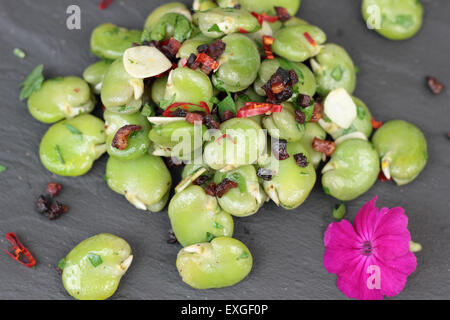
310	39
251	109
264	17
376	124
18	251
104	4
168	112
242	30
207	62
267	44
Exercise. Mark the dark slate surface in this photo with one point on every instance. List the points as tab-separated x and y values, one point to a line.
287	246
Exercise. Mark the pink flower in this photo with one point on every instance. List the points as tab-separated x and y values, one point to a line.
372	258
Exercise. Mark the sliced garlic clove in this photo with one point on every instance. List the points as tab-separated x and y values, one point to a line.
164	120
186	182
271	191
386	166
126	264
135	201
145	62
340	108
138	88
353	135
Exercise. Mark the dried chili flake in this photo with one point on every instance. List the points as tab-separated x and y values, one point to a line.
267	44
53	189
211	189
227	115
282	14
310	39
279	88
300	116
194	117
324	146
376	124
303	100
203	48
301	160
279	149
172	238
216	49
317	112
120	140
104	4
265	174
18	251
225	186
191	62
211	122
435	86
200	180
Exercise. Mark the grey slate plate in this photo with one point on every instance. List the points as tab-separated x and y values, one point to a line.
287	246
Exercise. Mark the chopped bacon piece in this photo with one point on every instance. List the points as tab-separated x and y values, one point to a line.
267	44
53	189
317	113
279	149
210	122
225	186
325	146
194	117
216	49
282	14
120	140
208	63
210	190
435	86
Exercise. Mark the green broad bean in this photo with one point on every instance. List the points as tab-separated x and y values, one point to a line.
158	89
196	216
171	25
239	64
138	142
393	19
402	148
110	42
218	22
187	85
247	198
60	98
267	6
313	130
158	13
351	171
145	182
121	93
70	147
282	125
334	69
223	262
240	142
203	5
292	44
294	21
94	268
95	73
290	184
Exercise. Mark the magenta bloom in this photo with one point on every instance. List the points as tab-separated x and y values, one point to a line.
372	258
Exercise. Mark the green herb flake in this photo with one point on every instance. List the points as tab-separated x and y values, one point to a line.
214	100
357	70
167	102
74	130
339	211
214	28
326	190
406	21
227	104
337	73
59	154
300	127
209	237
19	53
244	255
95	259
131	61
62	263
32	83
239	179
147	111
245	98
361	112
2	168
308	111
218	225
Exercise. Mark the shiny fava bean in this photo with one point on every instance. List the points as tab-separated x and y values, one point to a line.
187	85
60	98
294	21
145	182
171	25
110	42
94	268
239	64
158	90
138	141
351	171
313	130
293	43
171	7
121	93
282	125
361	124
403	150
334	69
290	184
70	147
247	198
267	6
217	22
307	81
239	142
95	73
223	262
196	217
393	19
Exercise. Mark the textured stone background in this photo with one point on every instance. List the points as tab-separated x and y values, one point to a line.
287	246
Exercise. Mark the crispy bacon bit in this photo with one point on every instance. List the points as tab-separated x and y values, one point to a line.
227	115
242	30
194	117
376	124
104	4
267	44
56	210
225	186
42	204
280	79
208	64
382	177
172	162
301	160
172	238
325	146
53	189
120	140
282	14
310	39
200	180
179	113
237	6
191	62
211	122
279	149
265	174
435	86
216	49
317	113
303	100
210	190
203	48
173	46
264	17
300	116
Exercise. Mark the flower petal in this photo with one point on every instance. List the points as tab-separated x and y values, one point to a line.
341	246
366	220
